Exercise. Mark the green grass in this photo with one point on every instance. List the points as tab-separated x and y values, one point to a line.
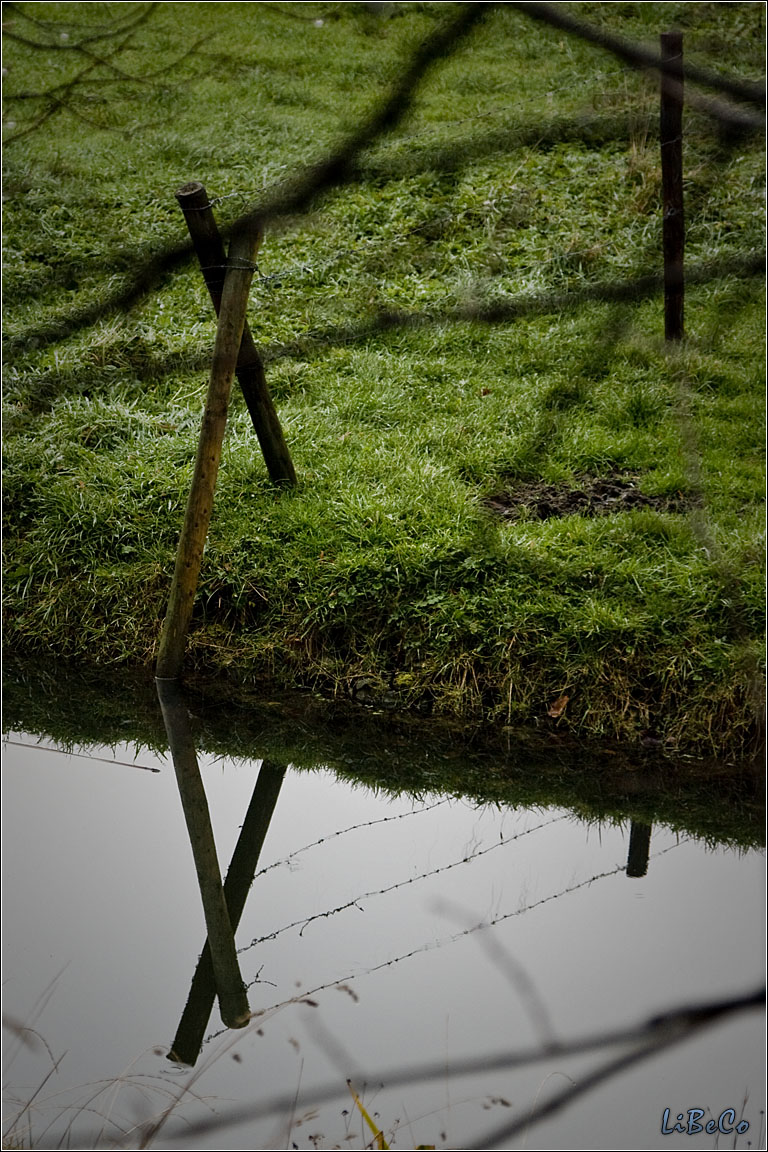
530	164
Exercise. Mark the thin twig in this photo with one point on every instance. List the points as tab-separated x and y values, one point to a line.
661	1030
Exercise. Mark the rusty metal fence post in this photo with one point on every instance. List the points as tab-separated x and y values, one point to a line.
671	133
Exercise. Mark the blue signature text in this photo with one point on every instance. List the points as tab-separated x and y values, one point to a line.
725	1123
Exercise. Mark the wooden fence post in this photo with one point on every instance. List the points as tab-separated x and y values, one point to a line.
233	1000
197	518
671	132
188	1040
194	203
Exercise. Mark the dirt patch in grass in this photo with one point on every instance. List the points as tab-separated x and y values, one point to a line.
594	496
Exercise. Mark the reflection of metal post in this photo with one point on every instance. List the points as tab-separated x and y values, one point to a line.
233	1002
639	848
194	1020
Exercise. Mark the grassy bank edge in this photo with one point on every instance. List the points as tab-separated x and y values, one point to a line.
719	801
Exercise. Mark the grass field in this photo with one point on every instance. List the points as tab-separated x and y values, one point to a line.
525	176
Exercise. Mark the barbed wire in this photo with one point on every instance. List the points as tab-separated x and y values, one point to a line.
306	268
314	270
506	309
424	130
651	1036
293	195
285	199
286	860
410	134
355	903
82	755
352	161
432	945
504	111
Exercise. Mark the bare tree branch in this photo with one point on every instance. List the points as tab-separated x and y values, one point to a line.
339	168
638	56
120	26
507	309
649	1037
296	196
60	102
663	1032
287	197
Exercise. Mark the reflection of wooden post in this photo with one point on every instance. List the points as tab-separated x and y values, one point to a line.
194	203
194	1020
639	849
233	1002
197	518
671	132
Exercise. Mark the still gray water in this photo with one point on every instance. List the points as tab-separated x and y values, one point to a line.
379	932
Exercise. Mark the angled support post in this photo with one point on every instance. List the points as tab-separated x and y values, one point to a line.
194	203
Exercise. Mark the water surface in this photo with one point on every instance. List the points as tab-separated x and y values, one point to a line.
380	932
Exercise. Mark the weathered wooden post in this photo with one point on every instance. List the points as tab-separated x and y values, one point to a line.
194	1019
197	518
194	203
233	1001
671	132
